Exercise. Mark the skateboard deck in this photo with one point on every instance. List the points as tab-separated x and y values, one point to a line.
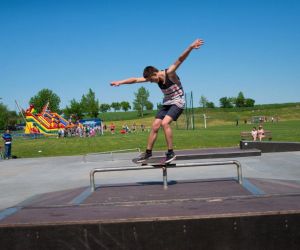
154	161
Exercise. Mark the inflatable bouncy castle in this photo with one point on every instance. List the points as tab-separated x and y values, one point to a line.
46	122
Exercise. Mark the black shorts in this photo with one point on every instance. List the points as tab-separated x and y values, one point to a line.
170	110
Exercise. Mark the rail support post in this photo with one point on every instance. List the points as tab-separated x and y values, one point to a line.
165	177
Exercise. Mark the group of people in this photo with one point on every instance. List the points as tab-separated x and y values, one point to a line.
81	131
258	133
134	128
90	131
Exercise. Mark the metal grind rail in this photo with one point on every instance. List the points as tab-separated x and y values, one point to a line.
111	153
164	170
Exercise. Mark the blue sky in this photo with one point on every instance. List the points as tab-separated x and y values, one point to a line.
251	46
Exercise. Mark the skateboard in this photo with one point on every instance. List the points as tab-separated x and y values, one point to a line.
154	161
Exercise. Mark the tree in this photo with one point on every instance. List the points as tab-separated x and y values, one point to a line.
140	101
8	119
249	102
226	102
240	100
90	104
4	114
203	101
116	106
13	119
159	105
210	105
44	96
104	107
125	106
149	105
75	110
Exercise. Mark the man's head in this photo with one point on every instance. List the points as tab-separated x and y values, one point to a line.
150	73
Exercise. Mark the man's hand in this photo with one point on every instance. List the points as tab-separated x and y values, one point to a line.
197	43
115	84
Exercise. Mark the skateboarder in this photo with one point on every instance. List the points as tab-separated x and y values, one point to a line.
173	102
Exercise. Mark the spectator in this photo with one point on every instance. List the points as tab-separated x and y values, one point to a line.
133	127
79	131
254	133
60	133
260	132
127	129
92	132
101	128
7	144
112	128
87	131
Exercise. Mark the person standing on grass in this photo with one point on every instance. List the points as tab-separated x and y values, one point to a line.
7	138
173	102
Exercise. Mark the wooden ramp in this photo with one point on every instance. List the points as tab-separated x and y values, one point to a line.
194	214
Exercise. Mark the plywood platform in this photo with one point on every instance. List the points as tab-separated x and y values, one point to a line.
210	198
220	207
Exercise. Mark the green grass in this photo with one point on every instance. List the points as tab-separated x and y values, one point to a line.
214	136
217	116
221	131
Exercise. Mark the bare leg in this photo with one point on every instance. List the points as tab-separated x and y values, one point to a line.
168	131
153	133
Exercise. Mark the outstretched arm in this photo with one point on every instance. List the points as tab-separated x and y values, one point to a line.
128	81
195	45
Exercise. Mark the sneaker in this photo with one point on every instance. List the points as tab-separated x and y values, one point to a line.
170	156
143	157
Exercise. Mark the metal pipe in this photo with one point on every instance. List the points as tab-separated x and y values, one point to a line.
164	169
111	153
214	163
100	170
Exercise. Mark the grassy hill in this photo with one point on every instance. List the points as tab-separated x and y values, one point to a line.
216	116
221	131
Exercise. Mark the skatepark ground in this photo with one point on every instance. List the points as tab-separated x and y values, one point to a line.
48	203
22	179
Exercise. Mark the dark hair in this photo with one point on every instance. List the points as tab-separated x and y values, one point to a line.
149	71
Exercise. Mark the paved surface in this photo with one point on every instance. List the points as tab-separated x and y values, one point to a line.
21	179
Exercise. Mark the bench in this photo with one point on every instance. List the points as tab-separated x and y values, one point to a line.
247	135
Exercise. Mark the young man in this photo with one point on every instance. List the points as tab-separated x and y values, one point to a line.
173	102
7	144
